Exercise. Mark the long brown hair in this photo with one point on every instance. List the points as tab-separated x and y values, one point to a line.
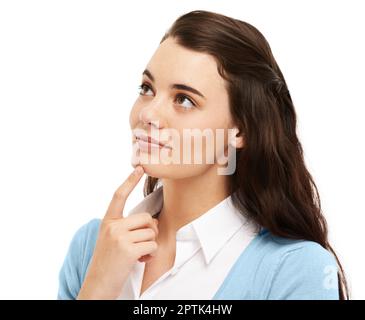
271	181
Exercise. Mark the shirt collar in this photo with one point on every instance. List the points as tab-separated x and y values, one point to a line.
212	229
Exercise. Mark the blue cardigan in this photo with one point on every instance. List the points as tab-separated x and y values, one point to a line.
270	268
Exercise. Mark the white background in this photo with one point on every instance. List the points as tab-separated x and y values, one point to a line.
69	74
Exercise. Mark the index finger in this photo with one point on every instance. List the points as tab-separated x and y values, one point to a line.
116	206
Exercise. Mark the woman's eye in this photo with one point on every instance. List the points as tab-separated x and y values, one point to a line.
181	97
143	87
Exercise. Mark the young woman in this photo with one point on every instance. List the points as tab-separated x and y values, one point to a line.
255	231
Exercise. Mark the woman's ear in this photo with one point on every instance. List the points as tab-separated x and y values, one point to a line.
236	139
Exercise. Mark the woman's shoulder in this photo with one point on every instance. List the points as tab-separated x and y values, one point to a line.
275	247
275	267
90	229
85	238
77	259
300	269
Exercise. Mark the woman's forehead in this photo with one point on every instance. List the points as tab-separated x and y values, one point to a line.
174	63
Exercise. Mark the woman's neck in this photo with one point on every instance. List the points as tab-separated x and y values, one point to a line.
184	200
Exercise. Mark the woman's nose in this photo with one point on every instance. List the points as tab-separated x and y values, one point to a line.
150	116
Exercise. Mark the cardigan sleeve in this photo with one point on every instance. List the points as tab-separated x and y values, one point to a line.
308	272
78	256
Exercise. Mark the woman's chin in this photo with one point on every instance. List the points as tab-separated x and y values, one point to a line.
171	171
157	170
168	170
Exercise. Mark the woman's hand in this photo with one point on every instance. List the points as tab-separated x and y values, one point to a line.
121	242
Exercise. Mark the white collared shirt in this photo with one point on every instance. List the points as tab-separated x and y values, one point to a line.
206	249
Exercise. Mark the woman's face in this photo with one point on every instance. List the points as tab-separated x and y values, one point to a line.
167	111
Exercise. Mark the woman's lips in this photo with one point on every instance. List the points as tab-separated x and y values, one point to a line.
146	144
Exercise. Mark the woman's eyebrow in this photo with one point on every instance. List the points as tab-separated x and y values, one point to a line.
176	85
